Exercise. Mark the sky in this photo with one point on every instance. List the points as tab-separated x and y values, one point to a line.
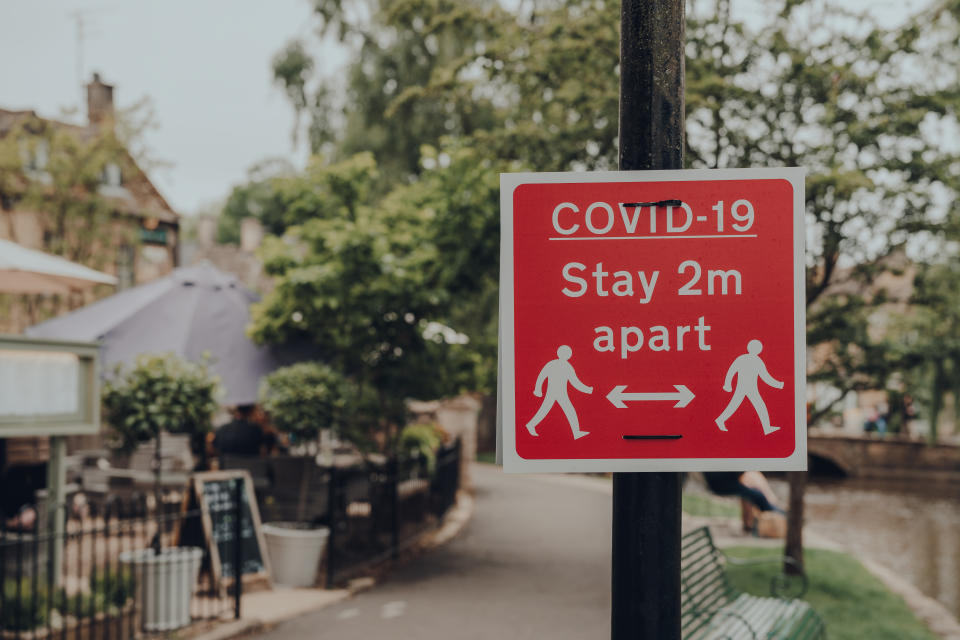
204	64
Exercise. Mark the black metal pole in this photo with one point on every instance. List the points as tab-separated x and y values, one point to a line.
238	547
646	506
332	521
158	492
393	471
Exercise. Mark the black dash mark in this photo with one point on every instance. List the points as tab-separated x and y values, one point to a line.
656	437
659	203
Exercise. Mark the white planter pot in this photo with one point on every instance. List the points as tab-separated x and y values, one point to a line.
295	551
165	584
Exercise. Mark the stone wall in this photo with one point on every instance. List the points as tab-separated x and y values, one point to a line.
458	417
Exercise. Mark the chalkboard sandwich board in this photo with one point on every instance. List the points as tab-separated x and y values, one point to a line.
214	492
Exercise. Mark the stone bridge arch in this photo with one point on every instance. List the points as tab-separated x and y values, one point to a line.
831	456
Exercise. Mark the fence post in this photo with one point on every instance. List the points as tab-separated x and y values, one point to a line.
237	547
18	597
4	551
331	519
459	465
56	518
393	474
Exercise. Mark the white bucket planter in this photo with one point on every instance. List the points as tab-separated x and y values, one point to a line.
295	551
165	584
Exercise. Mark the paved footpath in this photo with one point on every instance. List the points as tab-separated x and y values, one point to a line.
533	563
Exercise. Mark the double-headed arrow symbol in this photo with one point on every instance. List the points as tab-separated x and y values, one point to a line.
619	398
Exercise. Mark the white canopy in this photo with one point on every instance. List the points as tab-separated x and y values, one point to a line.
25	270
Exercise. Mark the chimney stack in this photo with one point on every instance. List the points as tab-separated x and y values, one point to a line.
99	102
206	231
251	234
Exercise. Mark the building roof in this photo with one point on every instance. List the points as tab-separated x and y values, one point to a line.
139	197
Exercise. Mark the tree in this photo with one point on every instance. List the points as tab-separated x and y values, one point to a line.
57	171
161	392
397	47
304	398
925	340
258	198
841	102
356	280
815	86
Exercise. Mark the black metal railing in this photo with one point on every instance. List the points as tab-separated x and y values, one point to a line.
374	508
97	575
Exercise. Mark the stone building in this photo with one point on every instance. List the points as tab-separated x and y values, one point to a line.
137	238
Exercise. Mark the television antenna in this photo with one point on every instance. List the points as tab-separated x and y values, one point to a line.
83	20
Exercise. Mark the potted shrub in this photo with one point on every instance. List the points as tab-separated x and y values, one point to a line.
420	441
301	400
161	393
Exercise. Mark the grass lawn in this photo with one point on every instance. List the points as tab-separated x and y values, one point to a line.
853	603
488	457
698	504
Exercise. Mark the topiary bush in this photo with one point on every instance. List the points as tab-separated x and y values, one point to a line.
160	392
306	397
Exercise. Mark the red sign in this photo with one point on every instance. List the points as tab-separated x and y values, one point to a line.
653	321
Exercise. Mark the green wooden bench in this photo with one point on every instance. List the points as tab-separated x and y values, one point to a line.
712	610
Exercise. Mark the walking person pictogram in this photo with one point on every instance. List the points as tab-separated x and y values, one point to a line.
748	368
558	373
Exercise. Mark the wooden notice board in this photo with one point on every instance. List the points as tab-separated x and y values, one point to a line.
213	494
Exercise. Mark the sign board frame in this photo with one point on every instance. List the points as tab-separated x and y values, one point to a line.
85	420
507	446
195	496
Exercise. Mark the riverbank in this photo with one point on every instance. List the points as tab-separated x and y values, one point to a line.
847	596
722	516
853	604
912	533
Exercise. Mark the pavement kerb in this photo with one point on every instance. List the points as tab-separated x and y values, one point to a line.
266	609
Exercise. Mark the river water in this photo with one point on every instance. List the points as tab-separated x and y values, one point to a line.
916	534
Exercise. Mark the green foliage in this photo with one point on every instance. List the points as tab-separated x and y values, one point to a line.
486	457
22	611
698	504
841	591
109	592
357	280
400	47
831	95
116	587
160	392
306	397
82	604
281	198
56	170
422	439
454	93
925	340
257	198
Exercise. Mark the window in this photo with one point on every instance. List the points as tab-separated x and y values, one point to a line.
38	156
126	265
112	175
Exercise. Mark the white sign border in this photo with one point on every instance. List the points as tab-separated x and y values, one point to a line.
512	462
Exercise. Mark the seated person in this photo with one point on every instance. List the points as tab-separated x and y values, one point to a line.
18	488
751	487
242	435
